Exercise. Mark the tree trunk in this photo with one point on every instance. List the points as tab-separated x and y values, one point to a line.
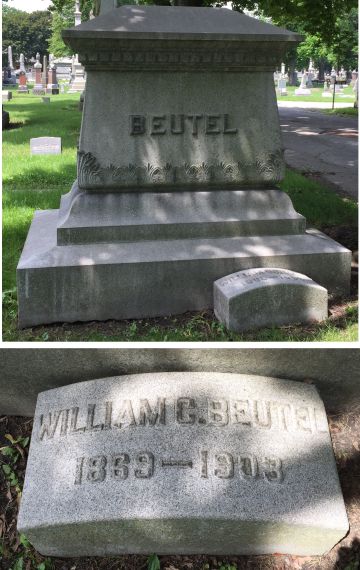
292	75
321	69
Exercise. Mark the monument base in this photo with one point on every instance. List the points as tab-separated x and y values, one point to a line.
22	89
53	89
124	280
93	217
38	89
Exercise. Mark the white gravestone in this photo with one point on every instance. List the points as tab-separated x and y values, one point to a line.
303	90
45	145
181	463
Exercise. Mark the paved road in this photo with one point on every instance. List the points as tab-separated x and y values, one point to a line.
325	145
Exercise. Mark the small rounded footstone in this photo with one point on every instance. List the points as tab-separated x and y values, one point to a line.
265	297
182	463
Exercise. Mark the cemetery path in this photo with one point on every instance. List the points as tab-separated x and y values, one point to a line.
322	146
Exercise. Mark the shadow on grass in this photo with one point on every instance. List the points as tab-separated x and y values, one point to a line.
39	119
33	178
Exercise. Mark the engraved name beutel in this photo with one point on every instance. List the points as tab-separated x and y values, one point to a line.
195	124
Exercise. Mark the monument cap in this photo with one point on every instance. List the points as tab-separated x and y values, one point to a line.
256	43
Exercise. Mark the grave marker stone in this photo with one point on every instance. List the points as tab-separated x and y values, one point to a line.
45	76
181	463
23	88
78	81
38	87
265	297
52	86
303	89
9	76
45	145
194	187
282	86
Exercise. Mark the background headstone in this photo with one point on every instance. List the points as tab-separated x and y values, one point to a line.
78	81
52	86
45	72
23	88
38	87
45	145
9	76
303	89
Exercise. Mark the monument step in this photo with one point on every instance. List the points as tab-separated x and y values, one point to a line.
132	216
182	463
154	278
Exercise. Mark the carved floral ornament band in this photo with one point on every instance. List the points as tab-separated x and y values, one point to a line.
267	169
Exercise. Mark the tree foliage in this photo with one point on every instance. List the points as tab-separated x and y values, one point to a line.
329	27
26	33
62	18
315	18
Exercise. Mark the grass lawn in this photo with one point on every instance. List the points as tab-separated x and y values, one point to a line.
316	96
348	111
36	182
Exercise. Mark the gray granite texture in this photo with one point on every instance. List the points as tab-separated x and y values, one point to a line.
182	463
151	278
266	297
177	138
95	217
190	110
134	22
26	372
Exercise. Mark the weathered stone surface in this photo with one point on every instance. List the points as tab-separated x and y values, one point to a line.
45	145
25	373
265	297
173	138
150	278
95	218
182	463
164	146
102	253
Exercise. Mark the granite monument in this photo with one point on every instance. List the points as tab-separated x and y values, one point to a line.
178	172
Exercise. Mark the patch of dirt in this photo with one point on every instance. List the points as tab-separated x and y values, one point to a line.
346	235
345	434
